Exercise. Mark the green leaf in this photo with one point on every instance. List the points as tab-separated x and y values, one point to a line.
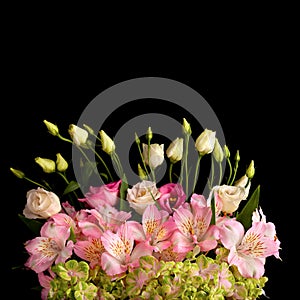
72	186
245	216
32	224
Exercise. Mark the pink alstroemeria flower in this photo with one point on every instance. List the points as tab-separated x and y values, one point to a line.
90	250
248	251
121	253
44	281
172	196
104	194
156	229
51	247
193	223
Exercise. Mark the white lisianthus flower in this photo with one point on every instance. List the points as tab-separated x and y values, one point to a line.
156	155
243	182
78	135
205	142
141	195
41	204
175	150
230	197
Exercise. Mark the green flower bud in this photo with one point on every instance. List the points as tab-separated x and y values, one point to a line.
237	157
186	127
48	165
53	129
17	173
226	151
89	129
61	163
137	140
218	152
250	170
142	173
108	144
149	134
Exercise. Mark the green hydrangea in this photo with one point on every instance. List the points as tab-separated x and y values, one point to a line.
197	277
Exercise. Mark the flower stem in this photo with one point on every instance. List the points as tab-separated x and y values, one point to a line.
88	160
170	171
196	171
142	157
65	139
221	172
187	137
234	172
212	172
39	184
103	162
230	170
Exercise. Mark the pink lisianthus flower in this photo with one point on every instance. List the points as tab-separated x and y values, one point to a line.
193	223
172	196
51	247
121	253
248	251
104	194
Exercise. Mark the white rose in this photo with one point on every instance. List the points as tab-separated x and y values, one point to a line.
141	195
41	204
156	155
230	197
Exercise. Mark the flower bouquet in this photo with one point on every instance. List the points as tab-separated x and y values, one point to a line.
107	239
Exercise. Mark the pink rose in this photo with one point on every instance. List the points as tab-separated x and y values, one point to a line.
172	196
105	194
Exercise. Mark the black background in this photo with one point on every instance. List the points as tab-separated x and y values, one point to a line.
54	78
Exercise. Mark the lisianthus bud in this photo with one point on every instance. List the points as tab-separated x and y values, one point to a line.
226	152
61	163
186	127
48	165
17	173
108	144
205	142
156	155
78	135
53	129
89	129
142	173
175	150
137	140
237	157
149	134
218	152
250	170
